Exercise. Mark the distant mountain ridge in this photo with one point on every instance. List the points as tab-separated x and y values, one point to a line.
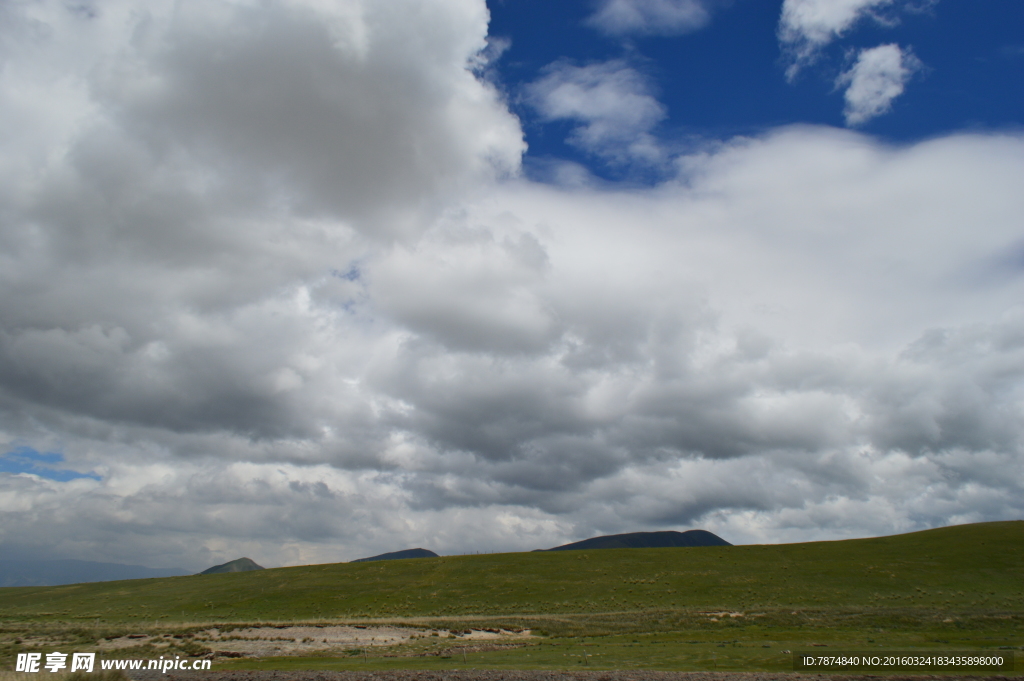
67	571
237	565
399	555
646	540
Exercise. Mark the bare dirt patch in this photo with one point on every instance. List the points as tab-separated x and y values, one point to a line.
313	640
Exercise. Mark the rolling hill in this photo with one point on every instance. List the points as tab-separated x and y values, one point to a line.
945	573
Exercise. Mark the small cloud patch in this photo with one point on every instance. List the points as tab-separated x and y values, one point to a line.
650	17
807	26
878	77
612	103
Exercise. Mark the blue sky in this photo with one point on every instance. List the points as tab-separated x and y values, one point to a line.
28	460
312	280
728	76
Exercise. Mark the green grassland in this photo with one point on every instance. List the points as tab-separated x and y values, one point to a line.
950	588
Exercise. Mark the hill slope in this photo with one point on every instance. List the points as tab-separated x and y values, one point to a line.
646	540
965	569
237	565
399	555
57	572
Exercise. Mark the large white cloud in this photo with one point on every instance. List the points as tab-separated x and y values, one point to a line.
222	161
322	338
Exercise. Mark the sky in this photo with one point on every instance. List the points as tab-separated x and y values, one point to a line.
312	280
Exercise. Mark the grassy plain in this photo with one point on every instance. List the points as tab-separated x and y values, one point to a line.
956	588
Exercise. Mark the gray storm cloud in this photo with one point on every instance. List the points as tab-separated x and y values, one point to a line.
267	270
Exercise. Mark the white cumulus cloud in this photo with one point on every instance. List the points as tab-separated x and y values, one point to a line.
877	77
613	103
651	17
806	26
770	355
266	271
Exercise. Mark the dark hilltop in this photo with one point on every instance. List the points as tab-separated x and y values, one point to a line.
399	555
239	565
646	540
